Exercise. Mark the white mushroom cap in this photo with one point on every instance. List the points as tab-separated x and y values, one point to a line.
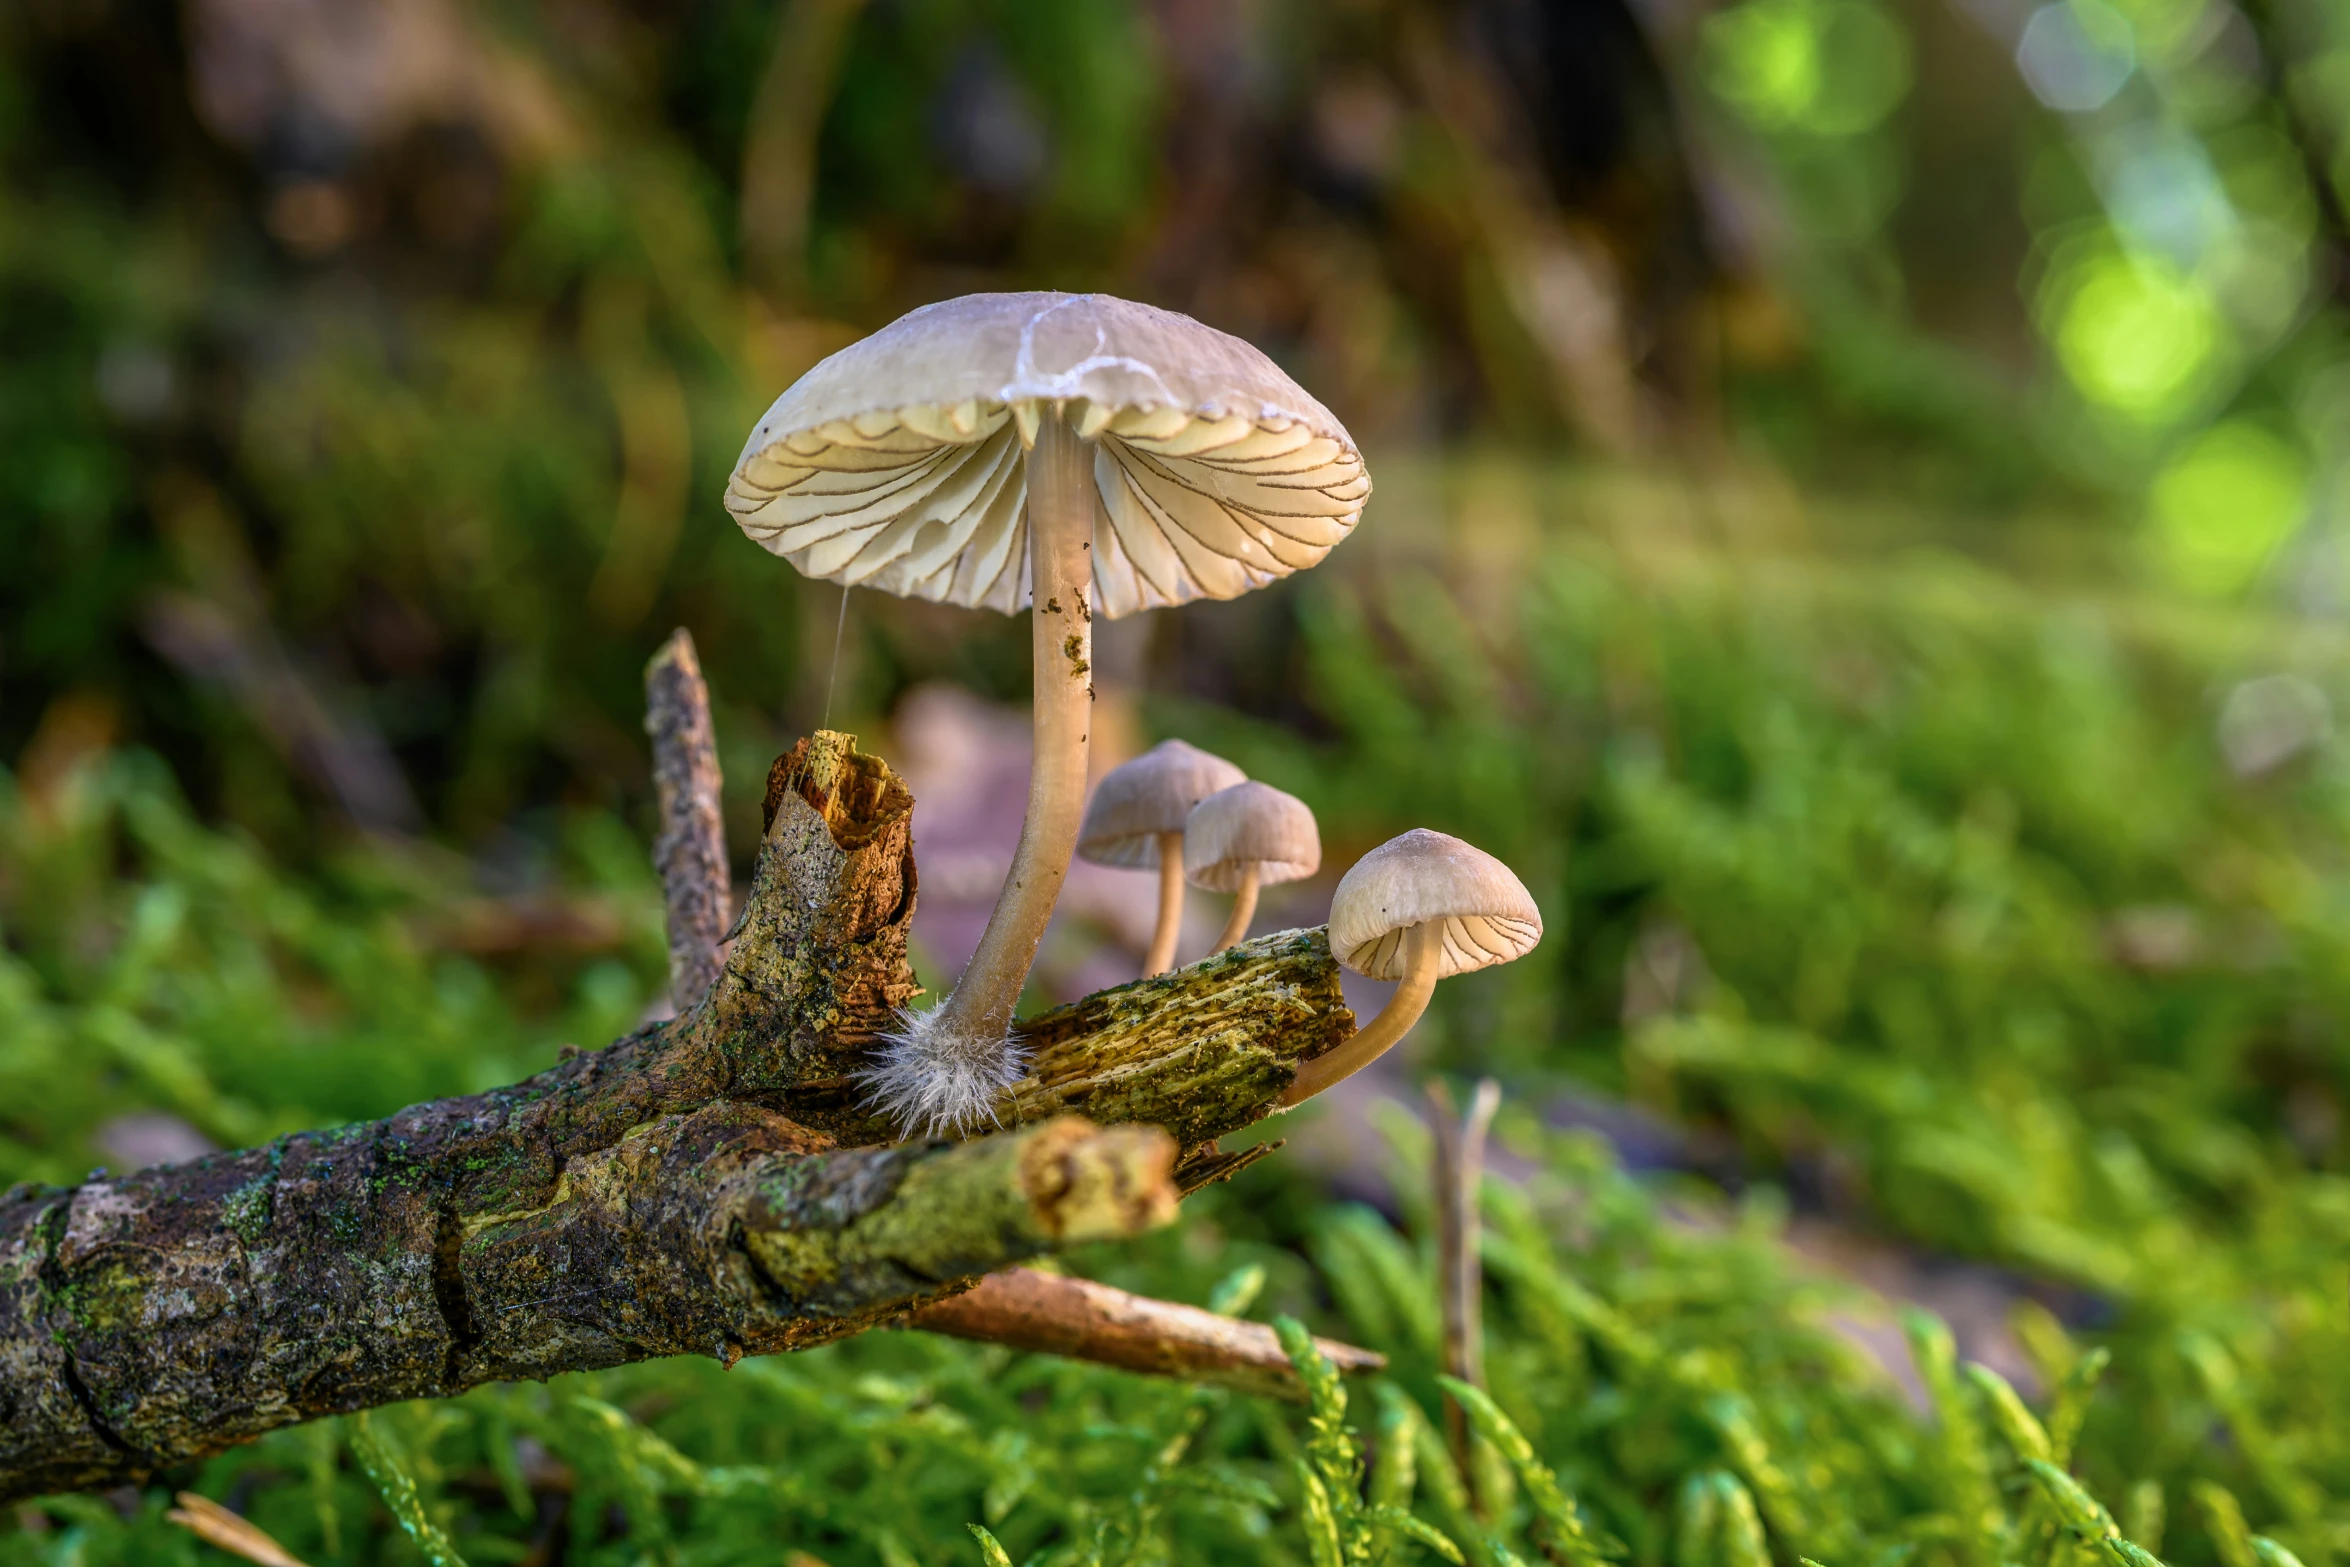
1138	800
1488	915
1250	824
897	464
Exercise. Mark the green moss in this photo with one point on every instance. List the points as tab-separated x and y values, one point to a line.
248	1209
110	1298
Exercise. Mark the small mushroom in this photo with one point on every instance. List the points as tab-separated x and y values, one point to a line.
1073	455
1249	836
1417	909
1136	820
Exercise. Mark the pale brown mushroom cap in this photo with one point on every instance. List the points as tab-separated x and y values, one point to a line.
898	463
1138	800
1488	915
1250	824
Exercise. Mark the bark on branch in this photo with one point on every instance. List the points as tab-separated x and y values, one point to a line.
706	1185
690	849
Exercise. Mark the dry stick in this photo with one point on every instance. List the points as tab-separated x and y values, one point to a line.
707	1185
229	643
1020	1308
1054	1315
216	1526
1460	1171
690	852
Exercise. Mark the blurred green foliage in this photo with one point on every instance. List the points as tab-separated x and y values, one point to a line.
1818	842
155	962
372	377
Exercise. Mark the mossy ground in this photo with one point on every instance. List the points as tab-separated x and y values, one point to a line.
1922	905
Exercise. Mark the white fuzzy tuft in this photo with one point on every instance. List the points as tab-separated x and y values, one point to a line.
928	1079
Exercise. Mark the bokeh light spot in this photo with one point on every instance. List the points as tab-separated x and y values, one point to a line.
1829	67
2076	54
2164	194
2220	508
2138	336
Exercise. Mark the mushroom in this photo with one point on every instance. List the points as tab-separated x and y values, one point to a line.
1418	909
1136	820
1249	836
1072	453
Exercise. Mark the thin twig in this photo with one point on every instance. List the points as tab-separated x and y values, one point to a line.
1077	1318
215	1525
1460	1171
329	742
690	852
1086	1321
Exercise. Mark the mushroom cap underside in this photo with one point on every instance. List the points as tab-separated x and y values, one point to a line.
1154	793
1250	825
1422	876
899	463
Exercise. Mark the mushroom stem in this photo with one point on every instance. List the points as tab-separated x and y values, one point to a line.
1060	569
1244	909
1423	953
1161	956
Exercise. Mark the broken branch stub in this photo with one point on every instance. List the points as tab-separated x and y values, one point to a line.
1202	1052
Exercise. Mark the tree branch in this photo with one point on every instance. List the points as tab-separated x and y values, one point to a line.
706	1185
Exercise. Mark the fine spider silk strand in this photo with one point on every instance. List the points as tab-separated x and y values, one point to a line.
832	676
